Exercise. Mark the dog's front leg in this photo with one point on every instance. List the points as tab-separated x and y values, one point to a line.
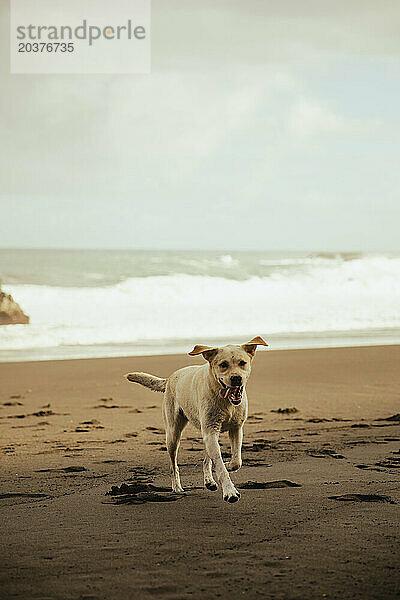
236	437
229	492
209	481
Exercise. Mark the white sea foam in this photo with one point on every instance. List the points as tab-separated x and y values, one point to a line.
323	295
227	259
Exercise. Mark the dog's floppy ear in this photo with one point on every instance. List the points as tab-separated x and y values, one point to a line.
207	351
251	346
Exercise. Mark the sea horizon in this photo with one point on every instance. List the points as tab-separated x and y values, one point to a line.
99	303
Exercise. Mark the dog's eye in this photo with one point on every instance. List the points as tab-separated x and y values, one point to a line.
224	365
242	363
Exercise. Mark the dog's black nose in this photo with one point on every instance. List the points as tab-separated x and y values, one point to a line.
236	380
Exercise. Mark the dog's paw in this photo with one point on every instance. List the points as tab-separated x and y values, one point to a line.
211	485
232	498
177	489
231	495
234	465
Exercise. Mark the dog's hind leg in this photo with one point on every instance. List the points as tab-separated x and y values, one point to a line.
209	481
236	438
175	422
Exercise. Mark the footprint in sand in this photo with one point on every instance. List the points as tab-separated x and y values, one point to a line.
156	430
285	411
141	492
71	469
24	495
13	403
258	445
79	430
395	418
266	485
369	468
105	405
39	424
143	472
110	406
362	498
255	462
324	453
91	422
390	462
45	413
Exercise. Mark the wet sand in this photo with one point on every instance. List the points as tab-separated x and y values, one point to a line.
319	510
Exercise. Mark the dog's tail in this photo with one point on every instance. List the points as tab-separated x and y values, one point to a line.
157	384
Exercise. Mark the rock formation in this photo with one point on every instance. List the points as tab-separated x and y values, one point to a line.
10	312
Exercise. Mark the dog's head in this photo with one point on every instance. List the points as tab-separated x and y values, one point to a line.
230	366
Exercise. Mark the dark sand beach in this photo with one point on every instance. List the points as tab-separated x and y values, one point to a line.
320	491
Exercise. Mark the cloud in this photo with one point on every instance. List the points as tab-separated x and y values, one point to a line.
258	32
250	122
309	117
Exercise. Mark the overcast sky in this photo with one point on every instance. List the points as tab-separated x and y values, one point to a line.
264	124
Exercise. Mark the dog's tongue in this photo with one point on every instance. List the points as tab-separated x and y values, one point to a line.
231	393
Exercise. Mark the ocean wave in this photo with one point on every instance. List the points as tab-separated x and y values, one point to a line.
322	295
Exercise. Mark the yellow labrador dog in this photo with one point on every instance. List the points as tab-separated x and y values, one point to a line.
213	398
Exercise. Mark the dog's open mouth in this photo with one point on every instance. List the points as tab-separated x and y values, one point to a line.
231	393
